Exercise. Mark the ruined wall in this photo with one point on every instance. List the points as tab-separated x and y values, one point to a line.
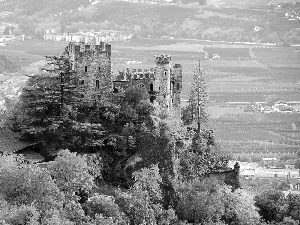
164	83
176	81
92	64
229	177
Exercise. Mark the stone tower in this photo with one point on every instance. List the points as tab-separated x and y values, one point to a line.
176	85
168	81
162	80
92	64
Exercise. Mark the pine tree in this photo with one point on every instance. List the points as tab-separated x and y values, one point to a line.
198	96
56	110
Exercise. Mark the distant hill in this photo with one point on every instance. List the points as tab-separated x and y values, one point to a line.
41	7
249	2
158	21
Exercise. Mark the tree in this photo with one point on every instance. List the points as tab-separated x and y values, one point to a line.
293	206
239	208
197	102
207	202
271	99
297	164
56	115
71	173
271	204
27	184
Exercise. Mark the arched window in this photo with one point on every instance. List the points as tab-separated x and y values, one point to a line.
178	86
151	87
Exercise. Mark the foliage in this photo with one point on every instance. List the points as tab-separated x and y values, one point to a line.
202	157
271	205
27	184
239	208
289	221
105	206
207	202
271	99
18	215
293	206
8	64
71	173
137	206
149	179
200	202
197	103
297	164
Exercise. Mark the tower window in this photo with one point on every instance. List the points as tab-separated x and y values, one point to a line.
85	69
97	84
165	73
178	86
151	87
99	68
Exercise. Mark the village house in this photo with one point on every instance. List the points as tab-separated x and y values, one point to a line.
282	107
107	36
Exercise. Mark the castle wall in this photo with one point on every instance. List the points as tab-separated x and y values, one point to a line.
92	64
164	83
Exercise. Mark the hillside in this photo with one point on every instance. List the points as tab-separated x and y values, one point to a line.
228	23
41	7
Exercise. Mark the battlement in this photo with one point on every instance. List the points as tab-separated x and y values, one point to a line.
136	74
162	59
81	47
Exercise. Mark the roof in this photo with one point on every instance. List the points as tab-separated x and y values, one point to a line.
268	159
10	142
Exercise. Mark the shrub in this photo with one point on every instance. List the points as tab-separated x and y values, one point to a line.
105	206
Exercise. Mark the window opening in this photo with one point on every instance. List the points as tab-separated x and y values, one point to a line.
97	84
151	87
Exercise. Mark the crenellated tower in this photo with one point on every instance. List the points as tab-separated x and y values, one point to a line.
92	64
162	82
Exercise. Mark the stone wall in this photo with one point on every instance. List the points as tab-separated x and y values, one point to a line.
229	177
92	64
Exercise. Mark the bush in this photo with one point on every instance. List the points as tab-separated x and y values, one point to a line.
271	204
137	206
103	205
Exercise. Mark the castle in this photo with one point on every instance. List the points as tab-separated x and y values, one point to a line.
92	63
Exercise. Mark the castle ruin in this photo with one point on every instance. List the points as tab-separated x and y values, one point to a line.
92	64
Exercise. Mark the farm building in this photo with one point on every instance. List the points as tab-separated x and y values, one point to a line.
289	166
